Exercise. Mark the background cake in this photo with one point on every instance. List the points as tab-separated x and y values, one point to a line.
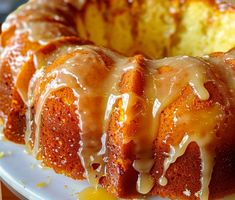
134	125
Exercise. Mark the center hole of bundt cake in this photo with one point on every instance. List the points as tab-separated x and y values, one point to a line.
196	28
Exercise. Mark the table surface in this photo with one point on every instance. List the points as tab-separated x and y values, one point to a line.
6	194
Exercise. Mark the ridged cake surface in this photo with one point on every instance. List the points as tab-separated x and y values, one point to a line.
82	88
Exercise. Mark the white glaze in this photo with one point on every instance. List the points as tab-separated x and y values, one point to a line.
159	92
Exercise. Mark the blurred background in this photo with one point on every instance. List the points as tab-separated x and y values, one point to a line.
7	6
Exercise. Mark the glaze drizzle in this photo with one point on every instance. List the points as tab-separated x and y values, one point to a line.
94	83
163	84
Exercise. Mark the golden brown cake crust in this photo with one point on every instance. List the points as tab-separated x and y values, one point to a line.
159	119
187	167
60	135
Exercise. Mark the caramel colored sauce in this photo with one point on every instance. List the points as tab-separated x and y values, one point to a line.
168	87
95	194
92	97
200	129
39	63
229	197
160	91
223	66
45	14
94	83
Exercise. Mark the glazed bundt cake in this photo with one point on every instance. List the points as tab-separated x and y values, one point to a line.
137	126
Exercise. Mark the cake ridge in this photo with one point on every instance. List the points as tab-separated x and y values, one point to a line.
122	122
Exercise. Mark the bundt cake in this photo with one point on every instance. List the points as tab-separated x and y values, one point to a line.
137	126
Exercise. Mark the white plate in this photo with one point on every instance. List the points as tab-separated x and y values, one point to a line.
22	172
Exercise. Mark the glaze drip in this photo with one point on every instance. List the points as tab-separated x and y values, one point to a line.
97	94
163	86
71	74
200	130
90	98
94	76
38	63
35	26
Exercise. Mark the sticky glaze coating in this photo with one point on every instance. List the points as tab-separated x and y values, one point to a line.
136	126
